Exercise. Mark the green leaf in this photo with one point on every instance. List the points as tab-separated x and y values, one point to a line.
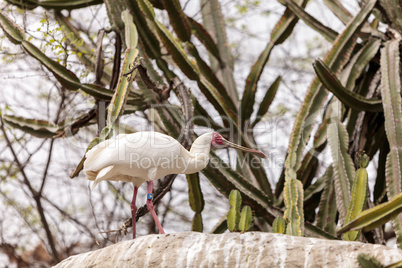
147	36
339	11
246	219
114	10
342	163
178	54
13	32
147	30
315	96
214	23
317	187
285	25
376	216
366	261
202	118
325	31
119	99
178	19
391	95
207	73
355	101
130	30
55	4
359	62
106	94
196	225
147	8
35	127
233	216
67	78
393	11
71	34
279	225
225	179
327	210
267	100
195	196
248	99
220	227
380	188
293	193
205	38
358	197
219	102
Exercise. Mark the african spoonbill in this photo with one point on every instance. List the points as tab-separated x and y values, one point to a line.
148	156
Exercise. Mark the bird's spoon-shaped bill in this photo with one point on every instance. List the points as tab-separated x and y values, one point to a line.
241	148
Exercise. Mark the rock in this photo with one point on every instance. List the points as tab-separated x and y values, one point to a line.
253	249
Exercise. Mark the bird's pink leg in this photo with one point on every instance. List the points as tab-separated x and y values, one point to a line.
150	206
134	210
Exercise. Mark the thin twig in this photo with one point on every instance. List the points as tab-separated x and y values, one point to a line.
36	195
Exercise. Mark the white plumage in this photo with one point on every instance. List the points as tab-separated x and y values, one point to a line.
148	156
144	156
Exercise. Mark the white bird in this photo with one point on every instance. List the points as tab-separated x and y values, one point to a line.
148	156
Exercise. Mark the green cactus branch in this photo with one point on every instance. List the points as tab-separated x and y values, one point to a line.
327	210
178	19
196	200
37	128
118	101
339	10
325	31
214	23
284	27
391	94
361	70
376	216
336	59
358	196
349	98
343	165
54	4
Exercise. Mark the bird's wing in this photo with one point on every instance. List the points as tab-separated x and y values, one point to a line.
101	176
140	151
95	159
113	173
154	151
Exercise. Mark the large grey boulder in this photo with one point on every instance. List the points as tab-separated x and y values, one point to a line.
252	249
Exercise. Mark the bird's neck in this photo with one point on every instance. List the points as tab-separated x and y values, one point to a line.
198	157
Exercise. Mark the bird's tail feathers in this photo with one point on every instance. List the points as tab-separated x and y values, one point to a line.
102	175
95	157
91	175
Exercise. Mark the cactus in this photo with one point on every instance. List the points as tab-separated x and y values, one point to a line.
279	225
233	217
356	91
236	220
376	216
246	219
366	261
196	201
359	196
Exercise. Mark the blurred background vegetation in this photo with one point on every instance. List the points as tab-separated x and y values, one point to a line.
313	84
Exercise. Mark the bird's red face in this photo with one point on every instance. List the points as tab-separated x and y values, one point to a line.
219	142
